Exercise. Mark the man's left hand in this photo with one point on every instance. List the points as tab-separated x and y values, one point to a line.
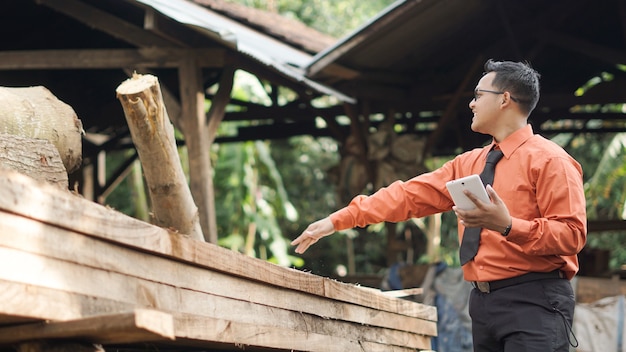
492	215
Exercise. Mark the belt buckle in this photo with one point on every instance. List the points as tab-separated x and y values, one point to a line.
483	287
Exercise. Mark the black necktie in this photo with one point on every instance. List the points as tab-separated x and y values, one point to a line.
471	235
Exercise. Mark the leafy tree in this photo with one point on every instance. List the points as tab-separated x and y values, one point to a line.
603	157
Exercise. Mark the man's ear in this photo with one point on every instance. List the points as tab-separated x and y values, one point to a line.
506	97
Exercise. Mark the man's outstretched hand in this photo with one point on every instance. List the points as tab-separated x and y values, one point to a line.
313	233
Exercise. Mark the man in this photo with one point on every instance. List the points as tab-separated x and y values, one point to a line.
532	228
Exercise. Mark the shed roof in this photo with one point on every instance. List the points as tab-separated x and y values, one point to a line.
419	58
80	48
422	57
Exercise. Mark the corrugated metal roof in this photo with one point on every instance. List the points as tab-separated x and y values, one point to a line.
273	53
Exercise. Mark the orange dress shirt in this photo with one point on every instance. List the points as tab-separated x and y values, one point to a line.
538	181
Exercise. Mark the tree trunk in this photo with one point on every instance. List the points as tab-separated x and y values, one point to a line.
36	158
153	135
34	112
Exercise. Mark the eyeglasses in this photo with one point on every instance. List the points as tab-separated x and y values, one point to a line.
476	96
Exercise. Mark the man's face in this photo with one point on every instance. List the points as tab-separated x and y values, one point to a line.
485	105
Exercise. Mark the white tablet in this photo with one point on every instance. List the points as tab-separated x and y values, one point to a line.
471	183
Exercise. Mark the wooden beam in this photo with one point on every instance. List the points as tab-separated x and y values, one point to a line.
452	107
175	32
107	58
35	303
583	47
140	325
194	127
606	225
193	327
95	18
220	101
262	71
153	22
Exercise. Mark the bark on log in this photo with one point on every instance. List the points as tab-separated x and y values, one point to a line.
34	112
153	135
36	158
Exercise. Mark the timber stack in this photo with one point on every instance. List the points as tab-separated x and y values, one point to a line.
79	276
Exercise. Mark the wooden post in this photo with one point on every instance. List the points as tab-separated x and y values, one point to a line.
153	135
193	120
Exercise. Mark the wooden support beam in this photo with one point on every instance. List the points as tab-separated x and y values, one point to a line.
452	107
583	47
606	225
183	35
220	102
194	125
107	58
140	325
95	18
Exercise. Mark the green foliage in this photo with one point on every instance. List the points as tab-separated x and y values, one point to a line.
250	197
129	196
307	166
603	158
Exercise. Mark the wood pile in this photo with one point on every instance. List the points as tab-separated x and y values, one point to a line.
74	270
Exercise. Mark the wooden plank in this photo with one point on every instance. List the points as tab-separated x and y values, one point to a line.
107	58
31	303
395	293
61	275
22	195
193	327
46	240
140	325
197	330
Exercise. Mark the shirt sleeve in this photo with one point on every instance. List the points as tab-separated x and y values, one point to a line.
423	195
562	227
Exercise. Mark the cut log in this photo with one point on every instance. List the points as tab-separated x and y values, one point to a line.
34	112
153	134
36	158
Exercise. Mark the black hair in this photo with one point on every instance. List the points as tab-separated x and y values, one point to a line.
519	79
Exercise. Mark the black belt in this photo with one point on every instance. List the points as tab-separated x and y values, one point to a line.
489	286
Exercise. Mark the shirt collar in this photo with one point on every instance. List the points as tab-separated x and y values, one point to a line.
513	141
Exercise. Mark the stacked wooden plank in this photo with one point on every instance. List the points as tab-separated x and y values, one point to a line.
70	268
